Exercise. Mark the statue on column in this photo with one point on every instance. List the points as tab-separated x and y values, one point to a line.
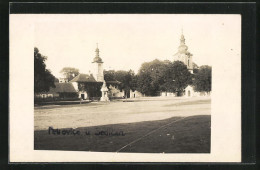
104	91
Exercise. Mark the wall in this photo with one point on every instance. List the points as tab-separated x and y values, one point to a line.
135	94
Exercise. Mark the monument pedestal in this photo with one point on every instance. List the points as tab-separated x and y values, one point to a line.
104	91
104	99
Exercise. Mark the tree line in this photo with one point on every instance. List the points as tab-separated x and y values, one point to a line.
151	79
158	76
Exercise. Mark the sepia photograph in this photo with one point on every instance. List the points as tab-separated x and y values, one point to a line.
125	88
123	83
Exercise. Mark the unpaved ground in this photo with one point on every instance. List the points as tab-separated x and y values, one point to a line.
137	110
174	135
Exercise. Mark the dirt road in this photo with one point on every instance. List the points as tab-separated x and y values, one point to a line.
124	111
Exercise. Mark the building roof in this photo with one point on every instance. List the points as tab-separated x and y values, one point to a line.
186	53
113	82
62	87
83	78
97	59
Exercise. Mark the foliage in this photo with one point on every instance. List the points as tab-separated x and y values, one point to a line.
202	81
127	79
43	79
156	76
195	68
69	72
150	77
144	84
109	75
56	80
93	89
176	77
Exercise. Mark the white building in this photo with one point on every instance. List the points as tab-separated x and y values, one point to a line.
97	67
184	55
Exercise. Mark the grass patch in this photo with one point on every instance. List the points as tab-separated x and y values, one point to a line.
190	135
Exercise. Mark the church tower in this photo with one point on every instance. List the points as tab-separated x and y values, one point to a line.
184	55
98	67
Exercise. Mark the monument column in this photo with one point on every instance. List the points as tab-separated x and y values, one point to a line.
104	91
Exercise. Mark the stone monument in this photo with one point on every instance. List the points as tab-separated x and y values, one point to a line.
104	91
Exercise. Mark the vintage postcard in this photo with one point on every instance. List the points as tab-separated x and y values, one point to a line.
125	88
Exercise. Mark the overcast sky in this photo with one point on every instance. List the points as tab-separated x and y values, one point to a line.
126	41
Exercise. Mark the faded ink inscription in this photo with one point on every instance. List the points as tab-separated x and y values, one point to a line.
74	132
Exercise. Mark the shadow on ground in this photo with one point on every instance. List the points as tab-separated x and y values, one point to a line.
173	135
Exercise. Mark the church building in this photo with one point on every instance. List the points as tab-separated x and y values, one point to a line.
184	55
89	85
85	86
93	85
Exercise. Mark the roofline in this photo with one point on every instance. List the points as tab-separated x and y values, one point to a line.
98	62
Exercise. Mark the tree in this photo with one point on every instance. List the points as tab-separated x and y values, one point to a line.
156	76
109	75
176	77
133	82
43	79
150	76
56	80
202	81
195	68
69	72
127	79
144	84
93	89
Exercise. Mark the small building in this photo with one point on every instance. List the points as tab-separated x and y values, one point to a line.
63	80
135	94
114	92
62	90
86	86
165	94
189	92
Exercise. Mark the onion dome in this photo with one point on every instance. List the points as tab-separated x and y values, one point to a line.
182	48
97	59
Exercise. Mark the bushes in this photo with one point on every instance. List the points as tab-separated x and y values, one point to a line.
62	97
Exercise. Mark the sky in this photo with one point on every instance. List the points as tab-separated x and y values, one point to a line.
126	41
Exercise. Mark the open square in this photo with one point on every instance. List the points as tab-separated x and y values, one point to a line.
148	125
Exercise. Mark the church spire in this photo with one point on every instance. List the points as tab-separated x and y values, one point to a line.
182	37
97	51
97	59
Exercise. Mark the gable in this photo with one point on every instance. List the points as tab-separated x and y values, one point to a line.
83	78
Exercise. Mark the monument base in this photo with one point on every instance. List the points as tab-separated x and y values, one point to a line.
104	99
